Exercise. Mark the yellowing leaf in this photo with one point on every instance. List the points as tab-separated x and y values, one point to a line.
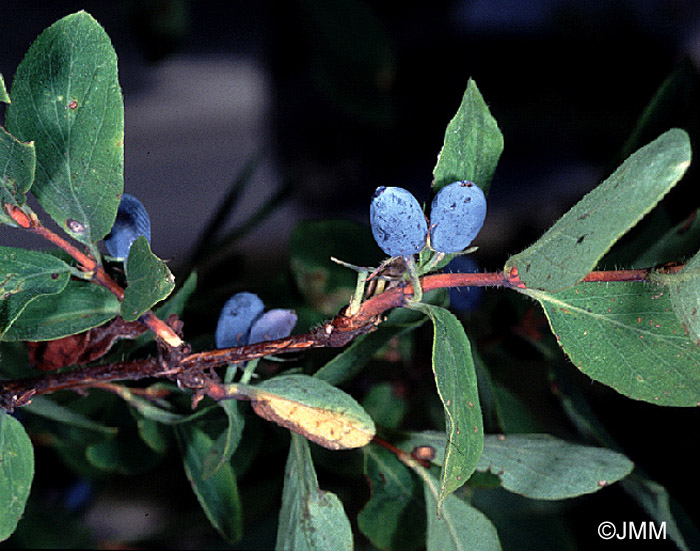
318	411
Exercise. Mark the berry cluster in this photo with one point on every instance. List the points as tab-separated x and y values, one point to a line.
400	229
242	322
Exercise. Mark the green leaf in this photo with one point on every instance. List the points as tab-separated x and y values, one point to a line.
218	493
394	516
455	377
540	466
149	280
149	410
310	519
47	408
473	144
460	527
311	407
24	276
4	97
66	98
227	442
17	165
684	288
79	307
625	335
324	284
16	472
154	434
571	248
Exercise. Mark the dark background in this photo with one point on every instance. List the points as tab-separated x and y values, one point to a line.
338	99
341	100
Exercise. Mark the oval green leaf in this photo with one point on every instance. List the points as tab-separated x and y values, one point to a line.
626	335
540	466
66	98
310	519
217	493
460	527
318	411
572	247
473	144
149	280
16	472
79	307
455	377
24	276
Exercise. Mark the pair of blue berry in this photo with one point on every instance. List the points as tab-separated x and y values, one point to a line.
243	321
399	226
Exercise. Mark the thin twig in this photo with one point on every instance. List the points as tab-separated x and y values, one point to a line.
89	265
188	369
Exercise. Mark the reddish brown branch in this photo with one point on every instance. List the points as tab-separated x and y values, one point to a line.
89	265
188	368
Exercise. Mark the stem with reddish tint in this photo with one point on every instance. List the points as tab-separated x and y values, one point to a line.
188	369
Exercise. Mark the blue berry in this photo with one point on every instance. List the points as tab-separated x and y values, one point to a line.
273	324
132	221
397	221
456	216
237	315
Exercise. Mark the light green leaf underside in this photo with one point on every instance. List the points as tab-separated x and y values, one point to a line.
540	466
310	519
626	335
572	247
684	288
460	527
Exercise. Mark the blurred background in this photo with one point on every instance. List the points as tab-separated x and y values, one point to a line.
337	98
329	100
